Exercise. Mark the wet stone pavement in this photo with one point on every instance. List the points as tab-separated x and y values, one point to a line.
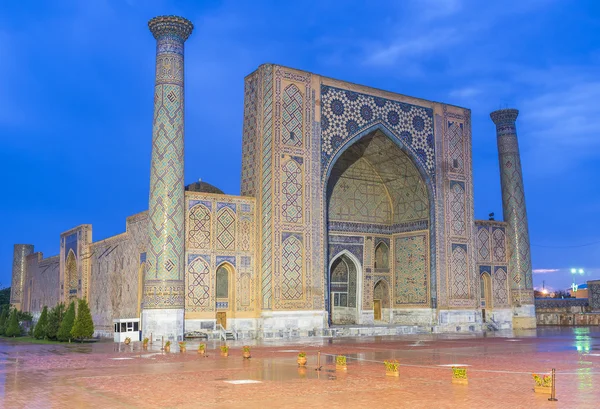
499	368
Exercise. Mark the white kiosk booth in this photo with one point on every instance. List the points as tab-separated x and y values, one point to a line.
127	327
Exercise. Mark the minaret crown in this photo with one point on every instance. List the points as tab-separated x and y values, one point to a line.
504	116
170	25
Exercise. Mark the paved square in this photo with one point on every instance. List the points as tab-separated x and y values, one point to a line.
499	371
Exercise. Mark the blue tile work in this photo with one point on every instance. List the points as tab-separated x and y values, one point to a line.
206	203
285	235
346	113
226	259
142	258
346	239
382	239
192	257
221	205
355	249
352	227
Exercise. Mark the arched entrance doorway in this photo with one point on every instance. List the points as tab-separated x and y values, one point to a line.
344	290
381	302
223	291
379	208
486	295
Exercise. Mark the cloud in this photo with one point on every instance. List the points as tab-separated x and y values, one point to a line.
389	54
545	270
562	120
467	92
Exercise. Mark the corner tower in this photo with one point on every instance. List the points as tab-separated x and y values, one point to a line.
515	215
163	302
20	253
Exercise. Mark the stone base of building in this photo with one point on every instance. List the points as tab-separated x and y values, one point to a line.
459	321
524	317
303	324
166	324
500	319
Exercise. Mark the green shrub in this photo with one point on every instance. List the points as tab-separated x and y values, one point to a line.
4	318
83	326
24	316
13	329
64	332
40	328
55	317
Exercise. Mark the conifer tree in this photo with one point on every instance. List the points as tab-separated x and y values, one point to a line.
55	317
64	332
13	328
39	331
4	318
83	326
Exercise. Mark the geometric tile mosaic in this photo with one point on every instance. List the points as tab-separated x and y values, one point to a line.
291	188
411	270
226	229
199	227
291	116
459	272
347	113
291	266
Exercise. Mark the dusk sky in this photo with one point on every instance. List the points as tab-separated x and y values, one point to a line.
77	83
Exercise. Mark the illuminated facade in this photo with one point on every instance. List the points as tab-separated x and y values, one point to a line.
356	212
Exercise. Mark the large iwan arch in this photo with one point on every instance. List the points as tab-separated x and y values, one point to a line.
379	196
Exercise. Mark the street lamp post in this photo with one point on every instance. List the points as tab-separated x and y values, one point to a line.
574	272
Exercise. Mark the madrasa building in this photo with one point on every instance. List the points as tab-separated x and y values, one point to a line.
355	217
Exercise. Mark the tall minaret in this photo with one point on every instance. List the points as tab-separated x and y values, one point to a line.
163	305
19	269
515	214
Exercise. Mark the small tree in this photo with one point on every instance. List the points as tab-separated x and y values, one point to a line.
13	329
4	318
83	326
55	317
64	332
39	331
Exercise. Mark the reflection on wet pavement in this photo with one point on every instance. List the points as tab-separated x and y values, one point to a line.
108	375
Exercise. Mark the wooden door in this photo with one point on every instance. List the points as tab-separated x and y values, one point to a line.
377	309
222	319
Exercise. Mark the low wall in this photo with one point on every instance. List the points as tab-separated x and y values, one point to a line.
565	312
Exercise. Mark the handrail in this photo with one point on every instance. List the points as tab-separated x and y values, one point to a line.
221	332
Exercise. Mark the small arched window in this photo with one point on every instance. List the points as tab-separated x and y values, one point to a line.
382	256
222	282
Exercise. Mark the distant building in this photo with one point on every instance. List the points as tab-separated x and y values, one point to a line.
578	291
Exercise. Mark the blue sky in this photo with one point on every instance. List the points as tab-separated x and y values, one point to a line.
76	87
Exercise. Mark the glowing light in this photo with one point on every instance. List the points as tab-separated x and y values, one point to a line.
544	291
573	270
581	271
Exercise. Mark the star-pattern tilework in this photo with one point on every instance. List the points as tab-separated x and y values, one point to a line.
345	114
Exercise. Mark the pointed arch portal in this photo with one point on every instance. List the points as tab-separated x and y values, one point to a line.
375	186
